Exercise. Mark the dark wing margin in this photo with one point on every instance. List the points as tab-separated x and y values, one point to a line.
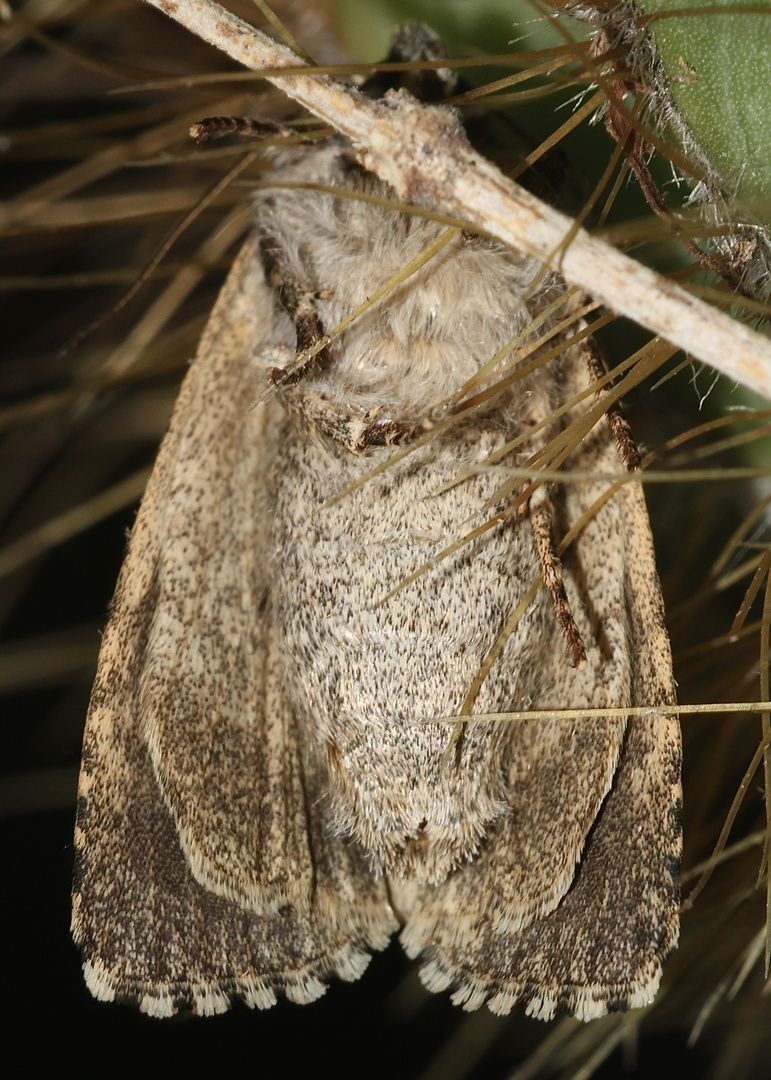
204	870
598	942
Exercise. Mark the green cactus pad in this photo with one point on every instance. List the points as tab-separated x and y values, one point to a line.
718	62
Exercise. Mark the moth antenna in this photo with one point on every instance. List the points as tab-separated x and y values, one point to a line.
246	127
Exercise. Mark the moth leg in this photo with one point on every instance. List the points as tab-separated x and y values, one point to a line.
627	448
541	513
539	509
357	431
541	517
300	303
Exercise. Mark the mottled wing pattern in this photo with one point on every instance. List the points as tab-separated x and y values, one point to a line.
204	869
572	903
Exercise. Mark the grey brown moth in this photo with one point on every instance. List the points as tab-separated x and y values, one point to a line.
266	794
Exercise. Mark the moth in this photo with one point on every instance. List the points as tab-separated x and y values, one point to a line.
268	788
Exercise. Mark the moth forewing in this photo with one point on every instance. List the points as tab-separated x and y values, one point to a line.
196	809
263	787
564	909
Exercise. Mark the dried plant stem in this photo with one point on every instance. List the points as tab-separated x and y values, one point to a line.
423	153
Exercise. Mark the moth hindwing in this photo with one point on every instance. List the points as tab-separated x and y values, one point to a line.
266	794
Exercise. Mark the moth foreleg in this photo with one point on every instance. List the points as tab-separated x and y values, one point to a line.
357	430
536	504
300	302
541	515
627	448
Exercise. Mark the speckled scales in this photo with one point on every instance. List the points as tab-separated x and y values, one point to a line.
602	944
204	867
263	797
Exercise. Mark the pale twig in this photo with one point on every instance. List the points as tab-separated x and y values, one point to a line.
423	153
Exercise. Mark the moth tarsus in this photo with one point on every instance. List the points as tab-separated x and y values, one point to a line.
627	448
263	797
541	516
